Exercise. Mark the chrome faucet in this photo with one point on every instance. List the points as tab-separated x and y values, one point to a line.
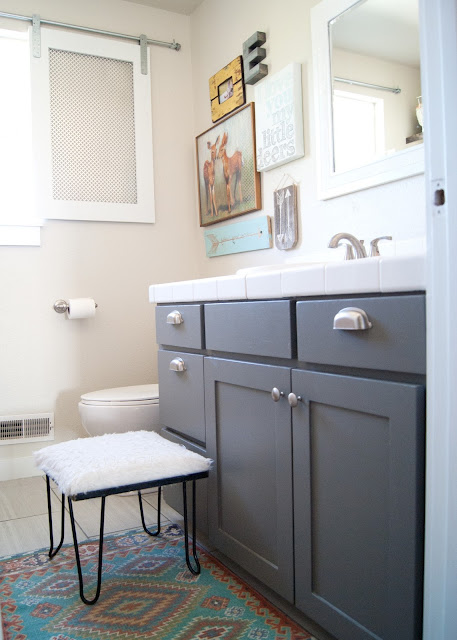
374	245
351	244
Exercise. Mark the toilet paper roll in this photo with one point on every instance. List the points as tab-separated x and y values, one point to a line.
81	308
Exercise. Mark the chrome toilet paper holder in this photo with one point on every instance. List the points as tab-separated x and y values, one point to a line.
62	306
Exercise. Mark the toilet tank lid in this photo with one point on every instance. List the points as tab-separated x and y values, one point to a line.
124	394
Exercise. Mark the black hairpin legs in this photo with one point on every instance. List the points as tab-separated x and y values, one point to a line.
194	567
100	553
52	552
155	533
195	571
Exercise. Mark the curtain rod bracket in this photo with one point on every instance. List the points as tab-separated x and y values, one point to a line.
144	54
36	36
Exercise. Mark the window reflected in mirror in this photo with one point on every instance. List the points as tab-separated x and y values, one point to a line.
376	89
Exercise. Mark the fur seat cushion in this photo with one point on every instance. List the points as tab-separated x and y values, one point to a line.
116	460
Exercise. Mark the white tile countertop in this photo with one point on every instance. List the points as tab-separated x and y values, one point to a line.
385	274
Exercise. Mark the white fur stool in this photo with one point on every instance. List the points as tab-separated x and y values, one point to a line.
115	463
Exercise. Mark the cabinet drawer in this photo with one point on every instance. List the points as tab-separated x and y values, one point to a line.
187	332
182	406
395	341
254	328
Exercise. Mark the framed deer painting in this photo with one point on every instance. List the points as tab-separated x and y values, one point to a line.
228	180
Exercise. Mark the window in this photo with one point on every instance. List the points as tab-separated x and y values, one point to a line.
76	133
358	122
18	222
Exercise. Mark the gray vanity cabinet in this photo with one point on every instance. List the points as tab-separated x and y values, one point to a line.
250	490
358	493
317	437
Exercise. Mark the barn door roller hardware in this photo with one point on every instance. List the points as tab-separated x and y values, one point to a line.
36	38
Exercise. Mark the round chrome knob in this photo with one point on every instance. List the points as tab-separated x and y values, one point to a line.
293	399
276	394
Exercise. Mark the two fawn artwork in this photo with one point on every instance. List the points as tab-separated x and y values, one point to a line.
232	166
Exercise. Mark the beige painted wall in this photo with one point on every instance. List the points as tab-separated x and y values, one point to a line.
46	360
218	32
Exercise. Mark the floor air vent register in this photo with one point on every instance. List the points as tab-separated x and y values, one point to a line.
31	427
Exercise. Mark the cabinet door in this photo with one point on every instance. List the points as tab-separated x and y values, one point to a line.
359	501
250	489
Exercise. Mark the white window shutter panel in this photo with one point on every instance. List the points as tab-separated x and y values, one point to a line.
92	130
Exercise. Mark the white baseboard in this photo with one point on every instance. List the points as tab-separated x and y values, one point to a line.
16	468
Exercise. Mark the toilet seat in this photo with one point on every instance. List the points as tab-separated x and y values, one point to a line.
143	394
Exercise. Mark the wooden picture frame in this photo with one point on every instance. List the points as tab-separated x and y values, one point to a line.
226	89
227	177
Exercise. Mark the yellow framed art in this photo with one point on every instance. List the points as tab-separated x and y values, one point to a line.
226	89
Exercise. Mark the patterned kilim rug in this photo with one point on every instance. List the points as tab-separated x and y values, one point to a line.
147	592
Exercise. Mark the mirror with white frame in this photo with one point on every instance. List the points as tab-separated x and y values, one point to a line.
367	88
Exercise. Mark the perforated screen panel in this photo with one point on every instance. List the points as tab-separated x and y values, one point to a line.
92	128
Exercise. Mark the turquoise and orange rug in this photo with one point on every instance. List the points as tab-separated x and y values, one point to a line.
147	593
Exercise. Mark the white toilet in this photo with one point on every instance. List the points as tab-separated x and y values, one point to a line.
120	409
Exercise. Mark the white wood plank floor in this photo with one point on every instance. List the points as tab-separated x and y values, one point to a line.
24	515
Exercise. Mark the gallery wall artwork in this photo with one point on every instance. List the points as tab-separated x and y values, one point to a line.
253	54
279	118
238	237
228	181
286	225
226	90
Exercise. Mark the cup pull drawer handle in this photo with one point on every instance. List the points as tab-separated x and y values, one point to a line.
175	317
177	364
351	319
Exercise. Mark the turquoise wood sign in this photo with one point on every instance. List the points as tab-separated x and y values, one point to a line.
238	237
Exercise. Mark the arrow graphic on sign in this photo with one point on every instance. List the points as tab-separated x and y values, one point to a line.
215	242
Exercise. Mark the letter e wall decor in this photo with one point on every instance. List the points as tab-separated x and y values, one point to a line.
253	53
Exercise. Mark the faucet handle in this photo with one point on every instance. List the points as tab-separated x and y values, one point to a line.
374	245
